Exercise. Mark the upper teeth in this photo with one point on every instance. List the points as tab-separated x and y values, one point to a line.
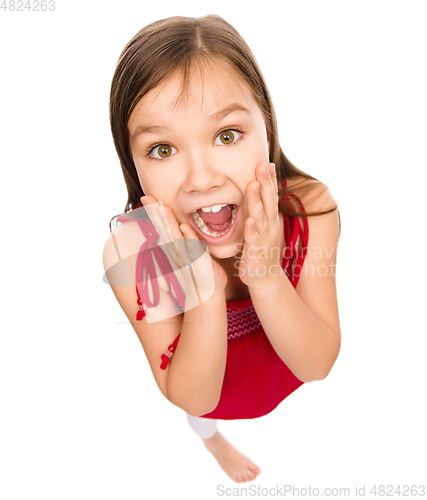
199	221
214	208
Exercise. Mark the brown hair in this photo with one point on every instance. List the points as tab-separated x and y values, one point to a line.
164	46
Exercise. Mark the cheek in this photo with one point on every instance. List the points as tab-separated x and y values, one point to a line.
148	181
139	169
263	145
263	153
159	188
257	145
142	181
254	153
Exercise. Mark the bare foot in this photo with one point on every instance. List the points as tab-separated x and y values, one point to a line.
238	466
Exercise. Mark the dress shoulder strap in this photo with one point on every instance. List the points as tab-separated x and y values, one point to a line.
293	229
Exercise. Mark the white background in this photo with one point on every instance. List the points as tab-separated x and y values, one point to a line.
81	415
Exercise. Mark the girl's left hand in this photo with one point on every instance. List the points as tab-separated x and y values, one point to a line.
260	261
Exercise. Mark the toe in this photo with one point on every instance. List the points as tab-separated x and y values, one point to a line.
255	470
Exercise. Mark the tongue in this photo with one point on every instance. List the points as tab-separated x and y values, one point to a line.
220	217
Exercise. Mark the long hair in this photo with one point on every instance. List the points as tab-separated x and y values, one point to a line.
175	43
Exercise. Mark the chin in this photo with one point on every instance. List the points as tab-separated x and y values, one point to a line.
225	252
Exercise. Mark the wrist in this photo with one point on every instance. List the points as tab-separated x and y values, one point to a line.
218	294
267	283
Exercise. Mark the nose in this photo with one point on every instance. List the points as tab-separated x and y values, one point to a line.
203	174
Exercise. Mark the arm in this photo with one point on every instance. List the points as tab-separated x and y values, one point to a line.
302	324
194	376
196	370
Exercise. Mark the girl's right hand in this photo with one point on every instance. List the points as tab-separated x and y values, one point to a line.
203	266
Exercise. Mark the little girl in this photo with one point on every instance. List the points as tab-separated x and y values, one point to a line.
195	130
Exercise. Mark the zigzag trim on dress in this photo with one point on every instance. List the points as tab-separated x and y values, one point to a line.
242	323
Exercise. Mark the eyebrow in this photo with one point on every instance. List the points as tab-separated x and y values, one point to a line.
217	116
152	129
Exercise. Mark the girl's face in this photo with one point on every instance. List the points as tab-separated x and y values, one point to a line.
186	156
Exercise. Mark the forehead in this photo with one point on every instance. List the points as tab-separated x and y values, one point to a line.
211	85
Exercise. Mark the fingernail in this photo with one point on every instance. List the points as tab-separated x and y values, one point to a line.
142	199
257	190
266	172
273	168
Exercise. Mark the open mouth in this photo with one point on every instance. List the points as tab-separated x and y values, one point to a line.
215	223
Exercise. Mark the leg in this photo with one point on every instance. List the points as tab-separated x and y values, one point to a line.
204	427
238	466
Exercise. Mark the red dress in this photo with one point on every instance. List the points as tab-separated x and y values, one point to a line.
256	380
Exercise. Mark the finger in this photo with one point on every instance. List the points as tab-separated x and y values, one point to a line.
200	265
148	199
196	247
273	176
251	235
170	219
156	214
166	225
192	243
178	237
188	232
255	207
267	178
